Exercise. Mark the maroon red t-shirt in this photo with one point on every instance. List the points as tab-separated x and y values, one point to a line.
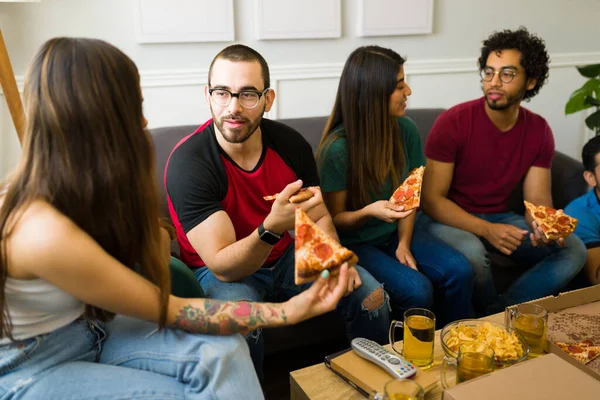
488	163
201	179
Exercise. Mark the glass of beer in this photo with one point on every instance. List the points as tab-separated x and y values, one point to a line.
400	389
531	321
474	359
419	331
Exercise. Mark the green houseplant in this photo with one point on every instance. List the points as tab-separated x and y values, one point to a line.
587	96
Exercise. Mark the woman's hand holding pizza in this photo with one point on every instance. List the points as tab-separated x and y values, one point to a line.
321	297
387	212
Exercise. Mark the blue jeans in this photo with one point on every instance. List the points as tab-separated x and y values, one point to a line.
276	283
126	359
550	267
444	281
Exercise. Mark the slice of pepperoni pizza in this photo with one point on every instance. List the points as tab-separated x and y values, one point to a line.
582	351
554	223
316	251
298	197
408	193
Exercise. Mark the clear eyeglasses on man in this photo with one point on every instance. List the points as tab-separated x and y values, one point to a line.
247	98
506	75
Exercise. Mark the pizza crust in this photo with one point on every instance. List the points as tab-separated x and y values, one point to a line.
300	196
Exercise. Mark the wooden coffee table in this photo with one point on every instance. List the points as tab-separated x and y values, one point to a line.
318	382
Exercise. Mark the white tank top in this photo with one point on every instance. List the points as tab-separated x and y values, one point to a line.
37	307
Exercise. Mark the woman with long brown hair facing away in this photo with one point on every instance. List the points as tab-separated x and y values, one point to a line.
80	241
368	148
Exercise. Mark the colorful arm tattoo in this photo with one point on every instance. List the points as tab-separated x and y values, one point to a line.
217	317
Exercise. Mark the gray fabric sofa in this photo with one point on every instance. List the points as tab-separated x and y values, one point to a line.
567	184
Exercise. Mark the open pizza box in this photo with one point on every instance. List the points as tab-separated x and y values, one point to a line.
572	317
547	377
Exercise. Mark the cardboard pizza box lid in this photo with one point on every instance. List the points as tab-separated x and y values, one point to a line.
547	377
573	316
370	377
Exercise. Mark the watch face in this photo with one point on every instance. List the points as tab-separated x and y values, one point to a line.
269	237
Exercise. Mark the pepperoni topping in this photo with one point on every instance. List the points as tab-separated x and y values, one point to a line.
575	349
563	220
550	211
304	233
539	214
409	193
322	251
411	182
591	354
586	342
399	195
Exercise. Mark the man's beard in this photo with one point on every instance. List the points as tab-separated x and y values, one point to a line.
237	135
510	100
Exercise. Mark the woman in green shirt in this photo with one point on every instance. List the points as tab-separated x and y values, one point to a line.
367	150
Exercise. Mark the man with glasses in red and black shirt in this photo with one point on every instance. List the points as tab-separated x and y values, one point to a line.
237	243
477	153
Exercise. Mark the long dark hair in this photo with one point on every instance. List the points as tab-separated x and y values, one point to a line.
375	148
86	153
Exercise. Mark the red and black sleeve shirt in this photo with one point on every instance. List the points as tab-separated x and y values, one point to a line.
201	179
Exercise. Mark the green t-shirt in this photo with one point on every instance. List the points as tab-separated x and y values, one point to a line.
334	170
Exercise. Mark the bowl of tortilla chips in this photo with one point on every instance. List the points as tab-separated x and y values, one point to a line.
510	347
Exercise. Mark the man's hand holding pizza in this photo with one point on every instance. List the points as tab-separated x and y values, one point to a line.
281	217
538	238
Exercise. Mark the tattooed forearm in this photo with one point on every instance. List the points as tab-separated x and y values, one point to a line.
218	317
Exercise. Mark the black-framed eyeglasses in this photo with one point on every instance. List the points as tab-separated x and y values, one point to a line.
506	75
247	98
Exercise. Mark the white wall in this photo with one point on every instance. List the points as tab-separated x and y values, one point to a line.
441	67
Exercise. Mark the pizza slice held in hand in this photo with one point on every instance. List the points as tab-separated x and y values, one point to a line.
317	251
298	197
408	193
554	223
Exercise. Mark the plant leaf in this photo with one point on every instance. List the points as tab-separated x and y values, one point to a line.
577	102
592	101
591	85
593	121
589	71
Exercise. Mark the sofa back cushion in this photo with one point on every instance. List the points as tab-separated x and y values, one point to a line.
567	173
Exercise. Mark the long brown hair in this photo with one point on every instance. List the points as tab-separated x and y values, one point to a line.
375	148
86	153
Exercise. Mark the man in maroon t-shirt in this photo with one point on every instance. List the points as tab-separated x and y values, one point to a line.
236	242
477	153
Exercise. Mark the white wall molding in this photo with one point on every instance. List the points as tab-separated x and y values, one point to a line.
381	17
291	19
166	21
193	77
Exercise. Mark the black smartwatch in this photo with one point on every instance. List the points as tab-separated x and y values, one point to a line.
267	236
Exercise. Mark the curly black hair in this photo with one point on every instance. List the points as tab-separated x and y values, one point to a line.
534	57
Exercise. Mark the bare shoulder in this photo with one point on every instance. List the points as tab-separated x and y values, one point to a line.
41	232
